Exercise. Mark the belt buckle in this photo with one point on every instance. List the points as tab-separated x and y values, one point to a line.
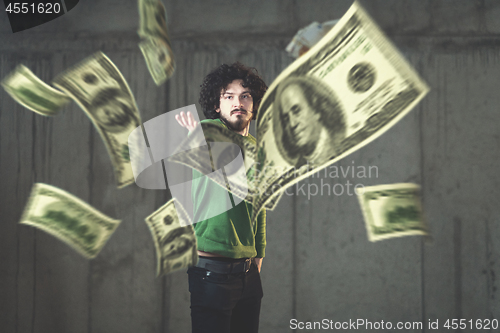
248	263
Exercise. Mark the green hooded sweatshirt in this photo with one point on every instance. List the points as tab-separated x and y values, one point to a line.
229	233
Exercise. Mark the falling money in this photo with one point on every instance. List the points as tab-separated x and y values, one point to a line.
392	210
69	219
156	46
174	238
101	91
28	90
221	159
159	59
347	90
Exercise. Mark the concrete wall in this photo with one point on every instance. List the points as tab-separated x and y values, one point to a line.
319	263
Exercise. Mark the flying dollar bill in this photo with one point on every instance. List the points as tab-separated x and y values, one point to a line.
174	238
68	218
152	19
222	155
347	90
28	90
101	91
155	46
159	59
226	158
392	210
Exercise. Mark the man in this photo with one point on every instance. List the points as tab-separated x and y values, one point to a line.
308	121
225	286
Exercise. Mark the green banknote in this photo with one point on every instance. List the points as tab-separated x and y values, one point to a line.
99	88
155	46
351	87
28	90
68	218
392	210
174	238
159	59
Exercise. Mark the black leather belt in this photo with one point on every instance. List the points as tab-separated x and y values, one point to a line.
223	267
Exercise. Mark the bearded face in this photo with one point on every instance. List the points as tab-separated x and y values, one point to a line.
236	106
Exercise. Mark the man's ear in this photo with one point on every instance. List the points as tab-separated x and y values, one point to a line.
217	109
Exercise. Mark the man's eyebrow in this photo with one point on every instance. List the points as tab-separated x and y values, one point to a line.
231	93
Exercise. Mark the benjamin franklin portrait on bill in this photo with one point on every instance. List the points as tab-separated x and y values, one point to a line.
308	121
112	110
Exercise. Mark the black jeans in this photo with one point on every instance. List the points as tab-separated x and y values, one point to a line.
225	303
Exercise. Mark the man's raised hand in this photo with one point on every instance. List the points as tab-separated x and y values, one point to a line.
186	120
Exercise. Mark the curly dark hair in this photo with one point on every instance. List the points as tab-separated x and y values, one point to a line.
219	78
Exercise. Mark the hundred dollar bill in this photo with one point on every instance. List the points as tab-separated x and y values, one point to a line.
226	158
68	218
28	90
156	46
159	59
392	210
101	91
347	90
152	19
222	155
174	238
